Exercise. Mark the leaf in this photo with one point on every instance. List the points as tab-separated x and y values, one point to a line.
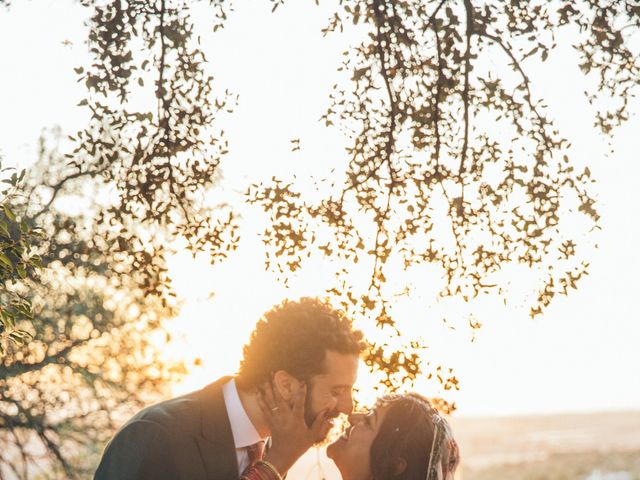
22	272
9	319
9	213
19	336
5	260
359	73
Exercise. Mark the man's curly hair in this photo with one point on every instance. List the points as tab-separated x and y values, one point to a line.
295	336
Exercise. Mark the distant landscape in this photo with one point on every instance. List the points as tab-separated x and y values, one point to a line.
593	446
554	447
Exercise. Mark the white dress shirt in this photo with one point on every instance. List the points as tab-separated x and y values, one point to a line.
244	433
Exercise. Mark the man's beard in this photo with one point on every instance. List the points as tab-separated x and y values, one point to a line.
310	415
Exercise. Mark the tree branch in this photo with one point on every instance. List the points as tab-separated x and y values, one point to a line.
55	450
436	105
525	80
161	93
465	94
58	187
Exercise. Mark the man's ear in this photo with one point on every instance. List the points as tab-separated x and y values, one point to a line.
399	466
285	383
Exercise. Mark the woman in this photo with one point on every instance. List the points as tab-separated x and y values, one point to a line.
402	438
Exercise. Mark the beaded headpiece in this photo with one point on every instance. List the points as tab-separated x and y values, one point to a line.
436	446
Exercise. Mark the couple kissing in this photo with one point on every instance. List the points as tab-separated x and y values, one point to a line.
296	377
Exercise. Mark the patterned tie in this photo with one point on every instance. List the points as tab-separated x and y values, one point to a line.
255	452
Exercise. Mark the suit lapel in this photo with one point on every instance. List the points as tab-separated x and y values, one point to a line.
216	444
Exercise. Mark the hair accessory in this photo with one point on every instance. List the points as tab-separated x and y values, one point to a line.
436	446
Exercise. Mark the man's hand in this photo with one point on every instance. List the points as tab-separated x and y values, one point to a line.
290	435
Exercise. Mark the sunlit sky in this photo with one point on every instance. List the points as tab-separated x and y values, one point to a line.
581	355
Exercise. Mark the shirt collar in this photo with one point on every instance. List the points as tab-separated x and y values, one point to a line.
244	433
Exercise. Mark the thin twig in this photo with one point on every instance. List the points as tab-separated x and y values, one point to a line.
525	80
58	186
465	94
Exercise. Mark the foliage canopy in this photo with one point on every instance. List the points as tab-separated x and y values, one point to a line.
18	260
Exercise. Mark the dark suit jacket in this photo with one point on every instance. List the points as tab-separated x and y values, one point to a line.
186	438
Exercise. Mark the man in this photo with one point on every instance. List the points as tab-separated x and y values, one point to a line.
214	433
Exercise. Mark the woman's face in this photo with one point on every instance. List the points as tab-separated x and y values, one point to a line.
351	452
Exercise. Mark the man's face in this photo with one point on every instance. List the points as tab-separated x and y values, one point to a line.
332	390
